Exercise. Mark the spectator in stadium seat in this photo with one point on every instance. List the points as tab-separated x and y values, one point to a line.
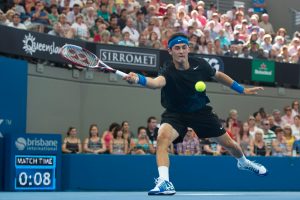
145	7
112	8
279	145
123	18
244	139
127	134
118	145
116	36
80	29
142	144
71	16
153	37
94	144
88	4
258	146
65	26
272	123
252	126
293	46
232	51
90	17
202	45
143	40
19	8
126	41
140	24
71	143
269	135
57	30
190	144
210	48
287	118
289	137
39	16
133	33
296	127
266	25
279	42
152	129
236	39
267	43
245	53
103	12
105	37
217	45
107	136
16	22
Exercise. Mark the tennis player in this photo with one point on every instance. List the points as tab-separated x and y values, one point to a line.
185	107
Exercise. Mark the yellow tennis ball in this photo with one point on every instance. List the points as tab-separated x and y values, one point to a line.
200	86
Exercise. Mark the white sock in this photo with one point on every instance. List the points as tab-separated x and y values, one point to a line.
243	160
163	172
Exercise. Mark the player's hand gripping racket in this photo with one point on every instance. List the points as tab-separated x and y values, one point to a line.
86	59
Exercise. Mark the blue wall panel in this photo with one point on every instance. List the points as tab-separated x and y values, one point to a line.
13	101
188	173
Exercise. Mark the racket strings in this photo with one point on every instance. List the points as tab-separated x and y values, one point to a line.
80	57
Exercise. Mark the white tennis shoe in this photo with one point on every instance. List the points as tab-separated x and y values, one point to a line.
162	187
254	167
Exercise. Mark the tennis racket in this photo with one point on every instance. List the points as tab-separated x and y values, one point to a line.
86	59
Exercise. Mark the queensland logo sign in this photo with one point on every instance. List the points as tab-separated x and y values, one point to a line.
128	58
263	70
30	46
36	144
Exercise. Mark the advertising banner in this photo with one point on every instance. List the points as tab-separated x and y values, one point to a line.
263	70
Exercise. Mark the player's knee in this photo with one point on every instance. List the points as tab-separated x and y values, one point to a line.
163	137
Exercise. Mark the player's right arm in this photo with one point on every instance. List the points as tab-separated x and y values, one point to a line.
153	83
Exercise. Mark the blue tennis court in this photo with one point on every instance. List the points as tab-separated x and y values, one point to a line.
144	196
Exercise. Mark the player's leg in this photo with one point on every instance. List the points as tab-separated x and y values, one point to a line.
166	135
235	150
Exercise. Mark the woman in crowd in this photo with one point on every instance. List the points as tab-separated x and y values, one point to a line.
107	136
142	144
258	146
94	144
71	143
119	144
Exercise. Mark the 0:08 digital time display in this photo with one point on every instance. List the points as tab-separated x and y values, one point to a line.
32	174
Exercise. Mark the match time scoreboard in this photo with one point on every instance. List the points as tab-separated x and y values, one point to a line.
34	162
35	172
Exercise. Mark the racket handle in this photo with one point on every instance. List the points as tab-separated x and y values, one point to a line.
122	74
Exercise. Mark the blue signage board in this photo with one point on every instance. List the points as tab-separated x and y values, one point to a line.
33	162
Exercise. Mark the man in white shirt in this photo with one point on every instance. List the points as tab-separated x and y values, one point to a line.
134	34
16	22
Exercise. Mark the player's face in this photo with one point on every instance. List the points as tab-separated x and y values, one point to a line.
180	52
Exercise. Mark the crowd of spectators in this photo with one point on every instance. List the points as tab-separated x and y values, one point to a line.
239	32
262	134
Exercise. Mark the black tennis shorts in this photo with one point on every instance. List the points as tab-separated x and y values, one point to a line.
205	123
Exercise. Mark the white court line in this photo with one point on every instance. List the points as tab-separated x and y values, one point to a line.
208	194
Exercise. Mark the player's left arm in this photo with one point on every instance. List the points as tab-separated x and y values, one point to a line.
226	80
